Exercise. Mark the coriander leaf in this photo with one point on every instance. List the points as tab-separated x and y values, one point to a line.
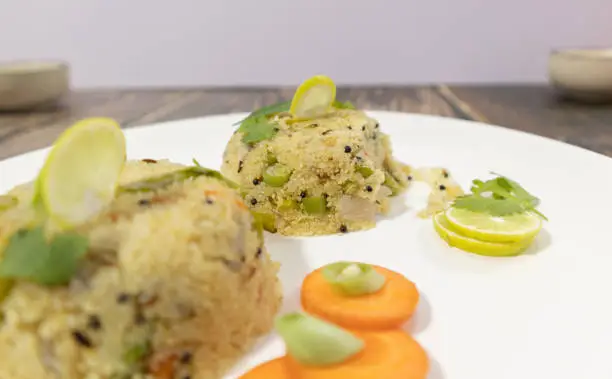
516	190
25	254
522	194
343	105
257	130
488	205
507	197
493	186
267	111
29	256
66	251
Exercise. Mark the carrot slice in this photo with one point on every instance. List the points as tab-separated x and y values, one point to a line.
388	308
391	354
274	369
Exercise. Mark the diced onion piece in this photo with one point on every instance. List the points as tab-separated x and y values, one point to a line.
353	278
356	209
314	342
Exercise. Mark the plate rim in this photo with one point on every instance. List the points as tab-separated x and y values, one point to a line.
479	124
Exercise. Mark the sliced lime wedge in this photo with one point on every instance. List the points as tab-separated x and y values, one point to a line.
472	245
314	97
80	176
485	227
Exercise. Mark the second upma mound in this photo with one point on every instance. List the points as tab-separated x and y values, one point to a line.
176	284
326	175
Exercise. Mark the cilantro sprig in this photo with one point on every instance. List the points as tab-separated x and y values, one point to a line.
500	196
30	256
267	111
256	127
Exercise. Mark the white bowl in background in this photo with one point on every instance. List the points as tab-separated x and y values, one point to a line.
583	74
29	84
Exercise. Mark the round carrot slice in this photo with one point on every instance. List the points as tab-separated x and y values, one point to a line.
390	354
388	308
274	369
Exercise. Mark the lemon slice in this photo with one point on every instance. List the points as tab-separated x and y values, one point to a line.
314	97
79	178
490	249
484	227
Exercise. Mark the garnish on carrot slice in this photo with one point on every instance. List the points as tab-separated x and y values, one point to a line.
391	354
390	307
274	369
316	342
353	278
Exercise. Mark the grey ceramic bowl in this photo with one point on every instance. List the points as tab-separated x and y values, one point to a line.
583	74
29	84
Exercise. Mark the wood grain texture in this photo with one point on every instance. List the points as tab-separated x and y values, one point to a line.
537	110
24	132
529	108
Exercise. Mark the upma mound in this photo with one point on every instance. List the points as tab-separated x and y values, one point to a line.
323	175
176	284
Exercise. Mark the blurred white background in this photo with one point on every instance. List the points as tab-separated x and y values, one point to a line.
280	42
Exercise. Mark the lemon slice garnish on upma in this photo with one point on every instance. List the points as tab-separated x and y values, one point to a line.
80	175
314	97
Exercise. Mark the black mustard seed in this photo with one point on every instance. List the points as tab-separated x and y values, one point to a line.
81	339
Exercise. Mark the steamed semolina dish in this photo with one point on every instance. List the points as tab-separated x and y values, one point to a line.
173	282
329	173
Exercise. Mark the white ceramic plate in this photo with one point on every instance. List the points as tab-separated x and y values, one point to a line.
546	314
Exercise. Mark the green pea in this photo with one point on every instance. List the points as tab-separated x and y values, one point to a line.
315	204
287	205
365	171
266	220
276	175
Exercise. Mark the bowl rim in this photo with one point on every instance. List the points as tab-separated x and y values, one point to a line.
33	66
585	53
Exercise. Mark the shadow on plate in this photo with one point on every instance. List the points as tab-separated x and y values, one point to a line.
397	208
289	253
541	243
422	316
435	369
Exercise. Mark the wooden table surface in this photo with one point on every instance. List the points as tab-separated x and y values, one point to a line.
533	109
